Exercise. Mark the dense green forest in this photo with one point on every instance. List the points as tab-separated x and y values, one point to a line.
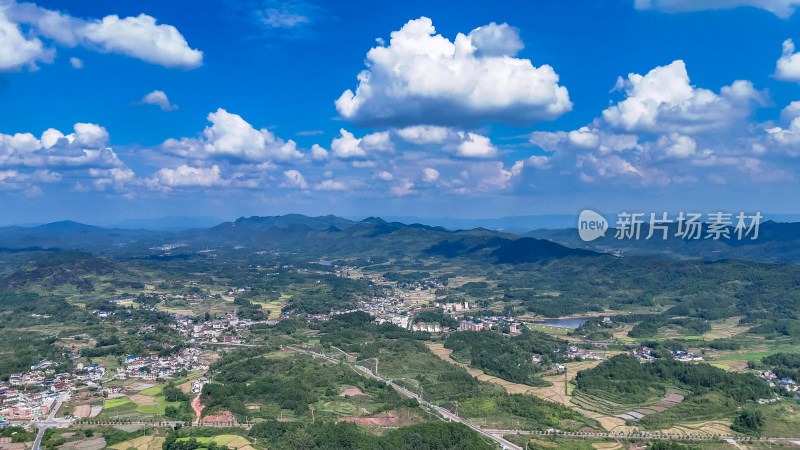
356	332
287	383
712	392
433	435
624	378
22	349
508	357
704	290
21	309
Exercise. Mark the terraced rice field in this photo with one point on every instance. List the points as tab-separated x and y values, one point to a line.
274	308
556	393
627	411
141	443
228	440
711	428
85	444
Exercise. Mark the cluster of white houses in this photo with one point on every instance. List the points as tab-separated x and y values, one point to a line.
646	354
17	404
31	394
152	367
574	352
43	376
212	330
382	307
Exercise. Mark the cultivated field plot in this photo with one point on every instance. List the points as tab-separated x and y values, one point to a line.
85	444
725	328
711	428
228	440
136	405
141	443
627	411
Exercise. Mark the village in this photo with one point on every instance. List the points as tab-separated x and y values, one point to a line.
786	383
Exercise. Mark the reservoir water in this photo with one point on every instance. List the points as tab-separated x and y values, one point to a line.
566	323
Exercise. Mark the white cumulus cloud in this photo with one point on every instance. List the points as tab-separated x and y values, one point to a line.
664	101
781	8
185	176
675	145
384	175
347	146
788	66
475	146
430	175
158	98
86	147
139	37
584	138
318	153
330	185
16	49
496	40
294	180
462	144
231	137
424	78
425	134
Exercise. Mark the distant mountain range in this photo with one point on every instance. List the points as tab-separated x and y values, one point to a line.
315	237
336	237
513	224
170	223
776	242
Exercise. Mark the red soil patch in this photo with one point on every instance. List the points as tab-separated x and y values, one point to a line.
197	407
382	419
223	417
352	392
82	411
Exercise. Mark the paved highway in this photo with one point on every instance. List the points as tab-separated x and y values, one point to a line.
50	422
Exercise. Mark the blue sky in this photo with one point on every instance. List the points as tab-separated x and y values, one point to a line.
483	109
